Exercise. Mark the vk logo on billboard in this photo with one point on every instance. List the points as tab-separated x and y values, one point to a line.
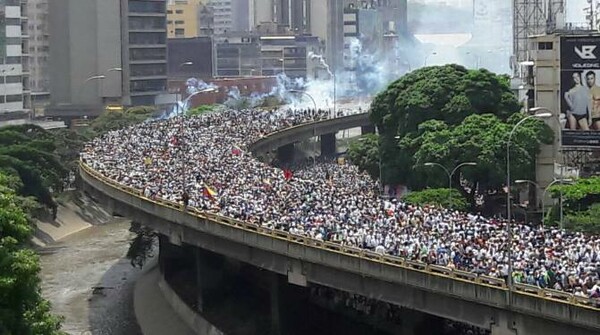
586	51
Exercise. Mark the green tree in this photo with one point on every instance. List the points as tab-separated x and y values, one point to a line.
23	311
448	198
202	110
109	121
450	115
364	153
581	205
480	139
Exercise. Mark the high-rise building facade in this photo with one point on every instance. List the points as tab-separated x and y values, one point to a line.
119	57
39	46
223	16
14	75
183	18
146	53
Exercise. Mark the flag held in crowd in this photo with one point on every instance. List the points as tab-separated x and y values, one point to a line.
209	192
287	174
236	151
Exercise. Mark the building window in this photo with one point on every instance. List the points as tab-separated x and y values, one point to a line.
14	98
146	7
179	22
545	46
179	32
13	79
179	11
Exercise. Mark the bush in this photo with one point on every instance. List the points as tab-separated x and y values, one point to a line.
447	198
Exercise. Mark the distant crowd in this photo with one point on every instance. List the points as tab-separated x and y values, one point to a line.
203	162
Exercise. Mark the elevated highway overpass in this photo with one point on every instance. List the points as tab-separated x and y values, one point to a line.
480	301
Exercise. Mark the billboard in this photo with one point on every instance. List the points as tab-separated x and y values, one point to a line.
580	90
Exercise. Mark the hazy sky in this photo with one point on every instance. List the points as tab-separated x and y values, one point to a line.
575	10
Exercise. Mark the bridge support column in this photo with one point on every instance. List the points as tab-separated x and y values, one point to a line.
275	293
169	256
370	129
286	153
328	147
503	325
209	274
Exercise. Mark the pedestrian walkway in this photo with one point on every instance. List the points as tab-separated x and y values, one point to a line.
154	314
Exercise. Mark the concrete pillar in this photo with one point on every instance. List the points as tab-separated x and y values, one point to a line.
503	325
209	275
200	283
286	153
275	292
328	145
370	129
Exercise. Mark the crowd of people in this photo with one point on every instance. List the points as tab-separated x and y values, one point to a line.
203	162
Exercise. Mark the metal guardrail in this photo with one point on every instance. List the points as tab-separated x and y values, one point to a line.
434	270
431	269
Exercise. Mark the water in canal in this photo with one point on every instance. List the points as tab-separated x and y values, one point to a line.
93	258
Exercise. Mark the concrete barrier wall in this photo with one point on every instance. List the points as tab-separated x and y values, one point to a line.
355	270
192	319
306	131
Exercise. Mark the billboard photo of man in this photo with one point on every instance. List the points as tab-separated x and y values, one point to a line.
577	99
580	90
594	102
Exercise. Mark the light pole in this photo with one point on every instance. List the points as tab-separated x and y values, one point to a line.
558	130
380	154
282	65
427	57
508	203
308	95
556	181
97	77
448	173
113	69
537	187
179	95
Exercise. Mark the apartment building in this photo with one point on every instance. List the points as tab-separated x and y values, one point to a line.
14	70
183	18
223	18
120	57
39	48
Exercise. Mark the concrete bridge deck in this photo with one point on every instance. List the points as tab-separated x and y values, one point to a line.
461	296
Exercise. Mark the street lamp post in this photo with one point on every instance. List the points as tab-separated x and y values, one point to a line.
114	69
537	187
427	57
556	181
179	95
508	203
380	154
308	95
448	173
558	130
97	77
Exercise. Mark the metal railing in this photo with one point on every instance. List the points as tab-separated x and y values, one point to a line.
434	270
430	269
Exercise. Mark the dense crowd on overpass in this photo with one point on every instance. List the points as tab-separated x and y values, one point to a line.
203	162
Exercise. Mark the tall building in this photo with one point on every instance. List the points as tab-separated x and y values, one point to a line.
146	54
106	52
39	48
14	48
183	18
222	13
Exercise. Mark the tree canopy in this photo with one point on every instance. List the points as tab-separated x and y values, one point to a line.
23	311
450	115
444	197
38	159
